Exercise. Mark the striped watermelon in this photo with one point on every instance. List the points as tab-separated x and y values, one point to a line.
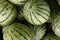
18	2
7	13
39	31
17	31
36	12
56	24
20	14
51	36
58	2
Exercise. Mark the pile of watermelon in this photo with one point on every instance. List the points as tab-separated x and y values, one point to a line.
30	19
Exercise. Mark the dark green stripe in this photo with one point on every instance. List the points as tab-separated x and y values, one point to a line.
55	37
20	34
24	31
20	10
10	35
27	30
15	34
42	12
31	18
55	26
42	29
54	22
23	2
36	17
35	28
42	32
3	8
52	37
40	15
20	13
8	15
39	4
2	2
44	9
5	35
38	1
49	38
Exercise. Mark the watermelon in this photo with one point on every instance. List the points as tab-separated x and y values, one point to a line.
36	12
7	13
17	31
56	24
51	36
18	2
39	31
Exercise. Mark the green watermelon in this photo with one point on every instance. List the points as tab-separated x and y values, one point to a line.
51	36
17	31
56	24
7	13
18	2
36	12
39	31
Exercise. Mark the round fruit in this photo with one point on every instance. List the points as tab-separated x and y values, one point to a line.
39	31
17	31
36	12
7	13
51	36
